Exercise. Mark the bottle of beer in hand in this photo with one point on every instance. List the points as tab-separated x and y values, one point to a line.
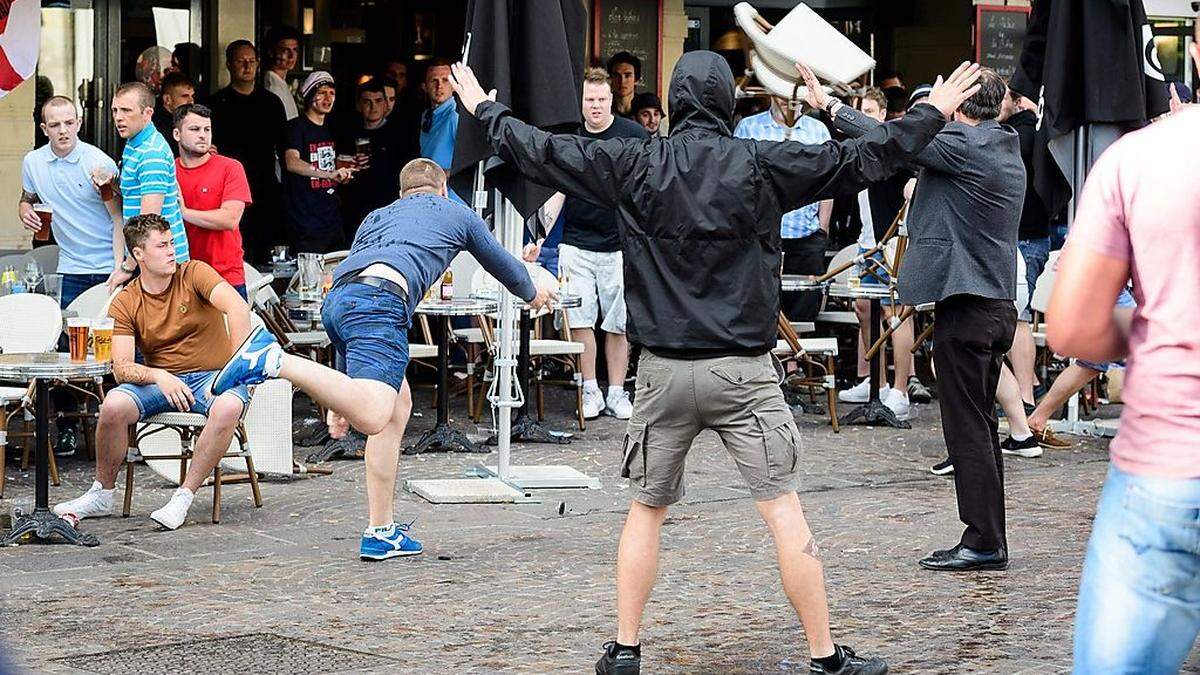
448	285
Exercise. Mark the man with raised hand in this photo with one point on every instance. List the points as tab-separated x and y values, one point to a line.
699	214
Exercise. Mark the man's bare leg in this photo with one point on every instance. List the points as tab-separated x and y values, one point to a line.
862	309
1069	381
1008	395
637	567
382	458
902	342
367	404
587	363
223	416
1022	354
112	435
616	354
800	569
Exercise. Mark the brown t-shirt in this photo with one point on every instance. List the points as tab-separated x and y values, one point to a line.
177	330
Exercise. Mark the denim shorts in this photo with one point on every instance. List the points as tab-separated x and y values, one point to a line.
151	401
1124	301
368	327
1035	252
876	275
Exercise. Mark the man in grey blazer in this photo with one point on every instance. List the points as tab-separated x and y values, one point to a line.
962	228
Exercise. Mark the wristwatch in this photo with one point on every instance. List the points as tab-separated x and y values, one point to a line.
833	106
126	269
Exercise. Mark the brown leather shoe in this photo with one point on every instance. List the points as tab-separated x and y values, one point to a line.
1049	440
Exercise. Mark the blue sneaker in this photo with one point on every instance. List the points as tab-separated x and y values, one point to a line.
252	363
388	544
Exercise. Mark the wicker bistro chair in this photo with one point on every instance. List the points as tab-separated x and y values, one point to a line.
817	359
36	330
187	426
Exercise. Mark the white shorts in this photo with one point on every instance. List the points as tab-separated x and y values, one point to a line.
598	278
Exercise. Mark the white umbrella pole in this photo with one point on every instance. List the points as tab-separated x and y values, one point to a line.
507	222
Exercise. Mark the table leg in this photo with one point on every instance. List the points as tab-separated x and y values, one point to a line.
444	437
874	412
42	523
525	428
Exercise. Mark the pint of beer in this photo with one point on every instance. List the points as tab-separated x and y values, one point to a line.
102	335
77	336
45	214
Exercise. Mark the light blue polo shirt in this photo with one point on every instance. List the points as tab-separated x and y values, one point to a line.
148	168
82	226
439	130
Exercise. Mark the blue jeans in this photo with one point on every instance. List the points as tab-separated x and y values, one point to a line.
1124	301
241	289
151	401
1139	598
368	327
1035	252
73	285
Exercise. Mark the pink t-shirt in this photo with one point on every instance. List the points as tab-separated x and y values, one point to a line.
1141	203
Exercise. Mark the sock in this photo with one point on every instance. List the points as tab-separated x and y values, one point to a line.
636	649
381	529
833	661
591	385
1021	437
97	486
186	493
273	361
613	391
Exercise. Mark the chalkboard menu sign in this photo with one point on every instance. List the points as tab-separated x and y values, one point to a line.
630	26
999	35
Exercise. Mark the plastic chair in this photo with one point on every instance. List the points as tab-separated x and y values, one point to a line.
46	258
846	318
93	303
29	323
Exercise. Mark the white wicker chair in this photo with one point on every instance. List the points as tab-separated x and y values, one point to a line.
845	318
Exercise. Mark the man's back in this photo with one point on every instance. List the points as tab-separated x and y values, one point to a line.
965	214
1141	203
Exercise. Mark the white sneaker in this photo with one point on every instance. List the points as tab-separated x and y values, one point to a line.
896	401
95	503
174	513
619	405
593	403
860	392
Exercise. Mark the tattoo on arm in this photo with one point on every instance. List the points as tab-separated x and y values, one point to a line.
811	549
29	197
133	373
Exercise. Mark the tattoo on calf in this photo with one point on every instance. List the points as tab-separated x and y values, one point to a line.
811	548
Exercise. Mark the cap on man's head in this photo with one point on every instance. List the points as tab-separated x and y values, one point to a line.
314	81
644	100
920	92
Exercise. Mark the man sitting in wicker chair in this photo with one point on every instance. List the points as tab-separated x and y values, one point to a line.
176	316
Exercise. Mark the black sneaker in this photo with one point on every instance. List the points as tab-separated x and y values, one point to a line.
1026	448
943	468
620	660
852	664
917	391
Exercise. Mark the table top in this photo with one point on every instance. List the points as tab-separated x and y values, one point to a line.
565	300
801	282
868	291
26	367
456	307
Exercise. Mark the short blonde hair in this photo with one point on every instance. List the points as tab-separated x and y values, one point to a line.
421	175
596	76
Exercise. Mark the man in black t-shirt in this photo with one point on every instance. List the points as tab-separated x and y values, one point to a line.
311	174
380	148
248	126
589	258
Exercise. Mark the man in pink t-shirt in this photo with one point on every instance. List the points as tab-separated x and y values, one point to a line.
215	193
1139	218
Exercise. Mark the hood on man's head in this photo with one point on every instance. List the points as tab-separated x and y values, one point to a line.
701	94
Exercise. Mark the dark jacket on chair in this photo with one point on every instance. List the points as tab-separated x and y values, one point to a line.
964	217
699	211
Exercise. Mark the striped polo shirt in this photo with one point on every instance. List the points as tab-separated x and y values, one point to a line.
148	168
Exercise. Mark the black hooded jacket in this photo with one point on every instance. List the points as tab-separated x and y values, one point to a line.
699	210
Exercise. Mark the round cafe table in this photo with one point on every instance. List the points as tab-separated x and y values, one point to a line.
525	427
444	436
873	412
801	282
42	369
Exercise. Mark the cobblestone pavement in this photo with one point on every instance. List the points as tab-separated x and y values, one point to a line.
528	588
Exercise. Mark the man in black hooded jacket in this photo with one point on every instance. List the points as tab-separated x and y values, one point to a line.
698	214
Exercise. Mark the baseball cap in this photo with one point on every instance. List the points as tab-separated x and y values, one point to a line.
316	79
645	100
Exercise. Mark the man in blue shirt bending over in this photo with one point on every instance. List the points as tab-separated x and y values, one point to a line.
399	252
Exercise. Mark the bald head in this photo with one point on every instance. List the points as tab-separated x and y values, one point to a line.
422	176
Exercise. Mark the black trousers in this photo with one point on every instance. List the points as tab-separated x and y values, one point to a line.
970	337
804	256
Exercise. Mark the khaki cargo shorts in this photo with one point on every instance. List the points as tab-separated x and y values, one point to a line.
738	397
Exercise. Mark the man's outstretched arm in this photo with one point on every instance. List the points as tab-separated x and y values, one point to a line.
579	167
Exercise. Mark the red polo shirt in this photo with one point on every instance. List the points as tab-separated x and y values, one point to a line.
205	188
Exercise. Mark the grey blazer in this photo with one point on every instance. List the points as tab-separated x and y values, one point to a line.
964	216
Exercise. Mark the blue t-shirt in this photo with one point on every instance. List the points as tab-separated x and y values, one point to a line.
419	235
439	129
148	168
81	224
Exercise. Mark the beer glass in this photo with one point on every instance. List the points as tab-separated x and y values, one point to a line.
45	214
310	269
102	335
77	337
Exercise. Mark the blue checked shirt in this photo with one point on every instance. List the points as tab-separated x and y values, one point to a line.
763	127
148	168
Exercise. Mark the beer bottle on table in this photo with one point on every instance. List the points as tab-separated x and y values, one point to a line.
448	285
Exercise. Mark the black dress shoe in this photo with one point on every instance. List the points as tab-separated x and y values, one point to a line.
963	559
